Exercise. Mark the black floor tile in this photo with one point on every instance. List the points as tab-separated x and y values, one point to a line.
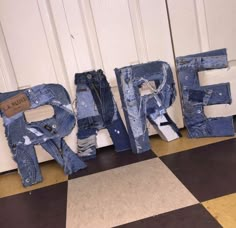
207	171
195	216
107	159
41	208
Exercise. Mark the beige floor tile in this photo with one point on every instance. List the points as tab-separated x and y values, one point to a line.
161	147
223	209
124	194
10	183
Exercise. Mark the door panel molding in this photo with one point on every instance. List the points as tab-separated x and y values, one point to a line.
53	43
202	25
138	30
91	34
65	41
7	74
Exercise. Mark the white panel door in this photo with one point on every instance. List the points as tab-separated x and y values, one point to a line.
122	33
203	25
48	41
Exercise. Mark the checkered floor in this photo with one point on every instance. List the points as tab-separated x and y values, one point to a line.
184	183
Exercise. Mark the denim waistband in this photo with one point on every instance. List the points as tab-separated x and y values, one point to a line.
206	60
212	53
89	77
144	69
151	71
40	95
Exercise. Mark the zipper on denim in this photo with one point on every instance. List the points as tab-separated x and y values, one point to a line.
99	98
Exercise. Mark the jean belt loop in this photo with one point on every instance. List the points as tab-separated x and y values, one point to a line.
32	97
199	61
101	74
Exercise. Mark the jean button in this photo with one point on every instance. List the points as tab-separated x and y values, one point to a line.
89	76
36	102
29	90
27	180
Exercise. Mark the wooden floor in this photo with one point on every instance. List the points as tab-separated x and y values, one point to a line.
183	183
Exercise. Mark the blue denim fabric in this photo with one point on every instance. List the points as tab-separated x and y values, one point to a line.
152	106
195	97
49	133
96	109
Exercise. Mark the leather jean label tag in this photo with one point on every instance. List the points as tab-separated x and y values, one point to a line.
15	104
